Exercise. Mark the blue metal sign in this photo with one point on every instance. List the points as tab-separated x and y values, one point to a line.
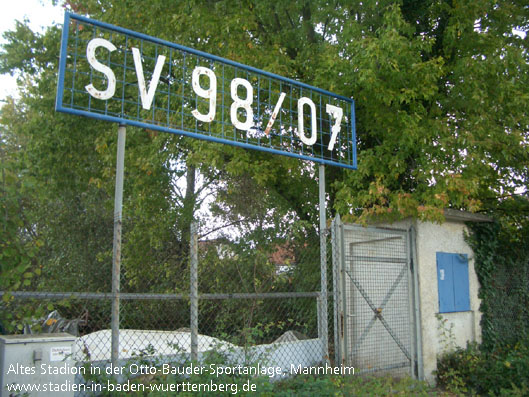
114	74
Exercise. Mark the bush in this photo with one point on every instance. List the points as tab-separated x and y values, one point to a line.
471	371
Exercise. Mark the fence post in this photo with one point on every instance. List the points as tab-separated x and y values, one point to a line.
319	312
323	331
335	284
193	294
416	302
343	304
116	253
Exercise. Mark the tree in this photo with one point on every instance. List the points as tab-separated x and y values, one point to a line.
71	163
441	97
439	87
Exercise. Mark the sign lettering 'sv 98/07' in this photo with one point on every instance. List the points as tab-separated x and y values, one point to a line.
114	74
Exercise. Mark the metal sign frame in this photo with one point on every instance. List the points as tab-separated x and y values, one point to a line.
115	74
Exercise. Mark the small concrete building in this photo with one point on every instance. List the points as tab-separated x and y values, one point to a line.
404	293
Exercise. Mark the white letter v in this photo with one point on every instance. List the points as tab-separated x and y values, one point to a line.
147	96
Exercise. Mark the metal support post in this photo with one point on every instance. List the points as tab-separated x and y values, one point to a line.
323	331
116	255
193	294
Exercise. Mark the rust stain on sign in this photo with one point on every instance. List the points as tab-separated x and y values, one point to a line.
275	113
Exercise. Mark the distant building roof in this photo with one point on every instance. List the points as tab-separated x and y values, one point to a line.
283	255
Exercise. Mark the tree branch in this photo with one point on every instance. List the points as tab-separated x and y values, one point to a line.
226	225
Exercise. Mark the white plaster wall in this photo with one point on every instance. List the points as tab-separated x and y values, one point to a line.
432	238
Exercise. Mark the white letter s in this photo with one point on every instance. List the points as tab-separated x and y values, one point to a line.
91	56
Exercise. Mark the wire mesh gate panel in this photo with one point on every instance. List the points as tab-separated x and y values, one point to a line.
373	304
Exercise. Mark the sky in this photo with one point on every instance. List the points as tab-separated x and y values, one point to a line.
41	13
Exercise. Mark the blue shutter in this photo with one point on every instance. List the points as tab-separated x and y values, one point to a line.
461	292
452	281
445	282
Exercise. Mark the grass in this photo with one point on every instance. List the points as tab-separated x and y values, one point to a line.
356	386
300	385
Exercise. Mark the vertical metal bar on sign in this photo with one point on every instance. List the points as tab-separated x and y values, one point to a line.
323	261
194	291
116	254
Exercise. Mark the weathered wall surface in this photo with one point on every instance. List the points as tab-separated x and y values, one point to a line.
432	238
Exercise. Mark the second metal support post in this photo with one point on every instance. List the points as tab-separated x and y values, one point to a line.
323	323
193	293
116	254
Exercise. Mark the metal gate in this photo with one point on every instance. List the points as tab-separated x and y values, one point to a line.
373	299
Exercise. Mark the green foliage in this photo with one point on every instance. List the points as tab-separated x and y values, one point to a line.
20	244
424	78
440	90
501	372
502	265
446	333
422	88
62	168
456	368
311	385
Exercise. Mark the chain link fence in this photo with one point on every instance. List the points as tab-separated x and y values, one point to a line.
259	300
